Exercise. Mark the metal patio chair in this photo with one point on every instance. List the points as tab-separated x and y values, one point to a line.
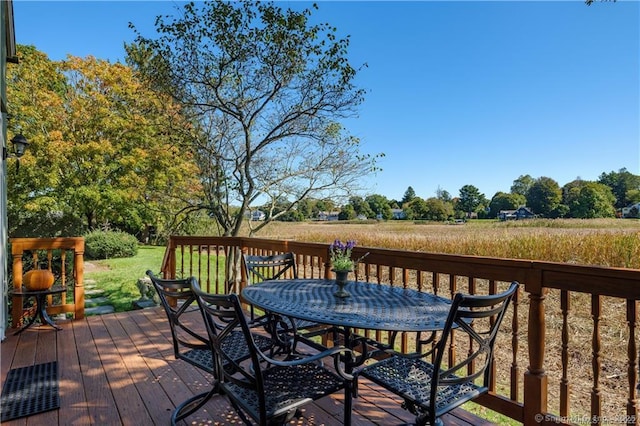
192	346
265	389
274	267
177	299
429	389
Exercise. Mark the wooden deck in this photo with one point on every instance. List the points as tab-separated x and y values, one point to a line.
119	369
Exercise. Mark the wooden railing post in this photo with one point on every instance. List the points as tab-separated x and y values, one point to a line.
16	308
535	379
327	263
78	264
632	367
169	261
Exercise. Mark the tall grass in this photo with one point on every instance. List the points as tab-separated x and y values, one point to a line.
612	243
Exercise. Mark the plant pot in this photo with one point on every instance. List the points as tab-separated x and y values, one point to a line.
341	281
38	280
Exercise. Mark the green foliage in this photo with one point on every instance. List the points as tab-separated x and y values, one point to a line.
41	223
471	200
379	205
347	213
431	209
110	244
102	149
544	197
443	195
361	207
409	195
415	209
438	209
624	186
588	200
522	184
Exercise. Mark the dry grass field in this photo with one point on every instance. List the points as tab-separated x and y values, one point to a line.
603	242
611	243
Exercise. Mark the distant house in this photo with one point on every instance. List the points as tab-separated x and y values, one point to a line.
632	211
329	216
258	215
520	213
398	214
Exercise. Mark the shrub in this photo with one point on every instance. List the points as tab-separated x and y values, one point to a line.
110	244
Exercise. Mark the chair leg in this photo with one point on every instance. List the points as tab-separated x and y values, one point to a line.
423	420
192	405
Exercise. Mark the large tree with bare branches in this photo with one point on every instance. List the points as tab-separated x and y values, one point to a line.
266	90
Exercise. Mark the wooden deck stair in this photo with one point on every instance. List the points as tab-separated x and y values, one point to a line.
119	369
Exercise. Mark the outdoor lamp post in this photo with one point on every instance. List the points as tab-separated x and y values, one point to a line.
19	147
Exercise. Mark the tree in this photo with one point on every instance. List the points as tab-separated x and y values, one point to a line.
470	199
633	195
624	186
379	205
443	195
265	90
361	207
305	208
522	184
102	151
437	209
416	209
409	195
347	213
588	200
504	201
544	198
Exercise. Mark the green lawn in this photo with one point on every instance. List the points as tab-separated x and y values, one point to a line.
118	277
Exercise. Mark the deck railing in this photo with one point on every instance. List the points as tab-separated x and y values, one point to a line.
570	336
65	258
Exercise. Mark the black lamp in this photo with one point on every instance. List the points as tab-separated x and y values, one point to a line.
19	147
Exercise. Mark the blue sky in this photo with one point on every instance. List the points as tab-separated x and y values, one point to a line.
459	92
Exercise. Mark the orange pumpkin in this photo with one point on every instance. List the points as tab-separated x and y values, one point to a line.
38	279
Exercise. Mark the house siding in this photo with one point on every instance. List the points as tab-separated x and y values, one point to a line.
8	51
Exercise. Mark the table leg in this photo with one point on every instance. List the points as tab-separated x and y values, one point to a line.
41	313
42	309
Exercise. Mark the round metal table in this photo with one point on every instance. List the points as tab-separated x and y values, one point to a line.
370	306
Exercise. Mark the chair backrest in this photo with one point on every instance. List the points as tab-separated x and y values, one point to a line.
224	319
474	321
177	298
273	267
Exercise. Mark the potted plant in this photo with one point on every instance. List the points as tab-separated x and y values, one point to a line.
342	263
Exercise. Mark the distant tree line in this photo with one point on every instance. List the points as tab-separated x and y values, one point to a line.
578	199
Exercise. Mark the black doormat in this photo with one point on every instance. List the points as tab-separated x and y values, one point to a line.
30	390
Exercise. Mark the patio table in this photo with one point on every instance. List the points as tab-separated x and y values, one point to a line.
370	306
40	297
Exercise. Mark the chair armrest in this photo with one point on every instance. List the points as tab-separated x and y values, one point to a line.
331	352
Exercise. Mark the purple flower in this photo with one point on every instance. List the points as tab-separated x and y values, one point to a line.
340	254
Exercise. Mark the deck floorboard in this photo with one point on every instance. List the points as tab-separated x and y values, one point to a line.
119	369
